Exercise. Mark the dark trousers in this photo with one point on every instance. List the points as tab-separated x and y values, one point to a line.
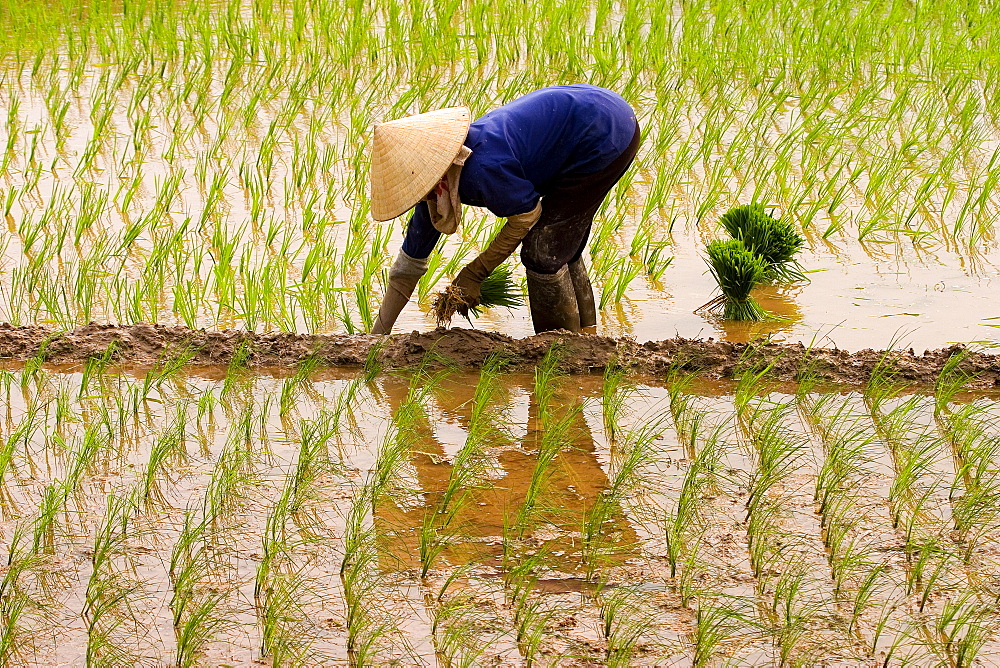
568	207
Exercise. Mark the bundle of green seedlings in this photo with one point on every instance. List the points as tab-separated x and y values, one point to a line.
497	289
772	240
737	271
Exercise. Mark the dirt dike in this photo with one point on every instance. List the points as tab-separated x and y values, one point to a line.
147	344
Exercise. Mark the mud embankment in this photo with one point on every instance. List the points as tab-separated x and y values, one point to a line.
145	344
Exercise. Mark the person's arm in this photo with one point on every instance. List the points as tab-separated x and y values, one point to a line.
495	178
516	227
410	265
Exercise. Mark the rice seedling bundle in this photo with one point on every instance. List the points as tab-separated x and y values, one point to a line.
774	240
497	289
737	270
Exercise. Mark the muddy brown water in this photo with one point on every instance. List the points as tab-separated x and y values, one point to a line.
483	600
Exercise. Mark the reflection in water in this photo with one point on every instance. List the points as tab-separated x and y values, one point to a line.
776	299
617	319
484	523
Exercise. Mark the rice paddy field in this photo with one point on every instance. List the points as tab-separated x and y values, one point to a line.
205	165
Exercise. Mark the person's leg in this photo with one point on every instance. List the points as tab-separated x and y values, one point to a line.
552	301
559	238
584	291
568	208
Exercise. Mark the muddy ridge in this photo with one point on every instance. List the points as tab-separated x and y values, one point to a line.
145	344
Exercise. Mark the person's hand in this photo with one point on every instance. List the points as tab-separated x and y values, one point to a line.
403	278
470	282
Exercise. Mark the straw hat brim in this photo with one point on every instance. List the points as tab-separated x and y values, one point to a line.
410	155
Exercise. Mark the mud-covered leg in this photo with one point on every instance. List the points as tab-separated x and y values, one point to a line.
584	293
552	299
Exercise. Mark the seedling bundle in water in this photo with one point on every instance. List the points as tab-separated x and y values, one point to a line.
763	248
497	290
775	241
736	270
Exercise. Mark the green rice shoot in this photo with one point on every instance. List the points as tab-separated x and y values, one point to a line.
737	271
774	240
498	289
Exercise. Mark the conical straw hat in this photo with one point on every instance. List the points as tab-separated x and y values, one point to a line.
411	154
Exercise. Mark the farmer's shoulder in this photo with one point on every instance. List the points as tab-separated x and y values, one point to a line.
566	99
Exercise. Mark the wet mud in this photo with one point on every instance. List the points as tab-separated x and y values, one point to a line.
144	344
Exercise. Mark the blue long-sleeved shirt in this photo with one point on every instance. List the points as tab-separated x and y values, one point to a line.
520	148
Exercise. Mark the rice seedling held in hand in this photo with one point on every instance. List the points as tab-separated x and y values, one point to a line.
775	241
736	270
497	290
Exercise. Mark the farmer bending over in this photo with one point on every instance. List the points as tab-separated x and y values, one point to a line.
545	162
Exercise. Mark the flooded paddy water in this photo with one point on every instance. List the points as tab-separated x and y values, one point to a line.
205	461
220	516
206	165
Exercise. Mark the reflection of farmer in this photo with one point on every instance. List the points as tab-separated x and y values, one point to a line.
577	478
545	162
